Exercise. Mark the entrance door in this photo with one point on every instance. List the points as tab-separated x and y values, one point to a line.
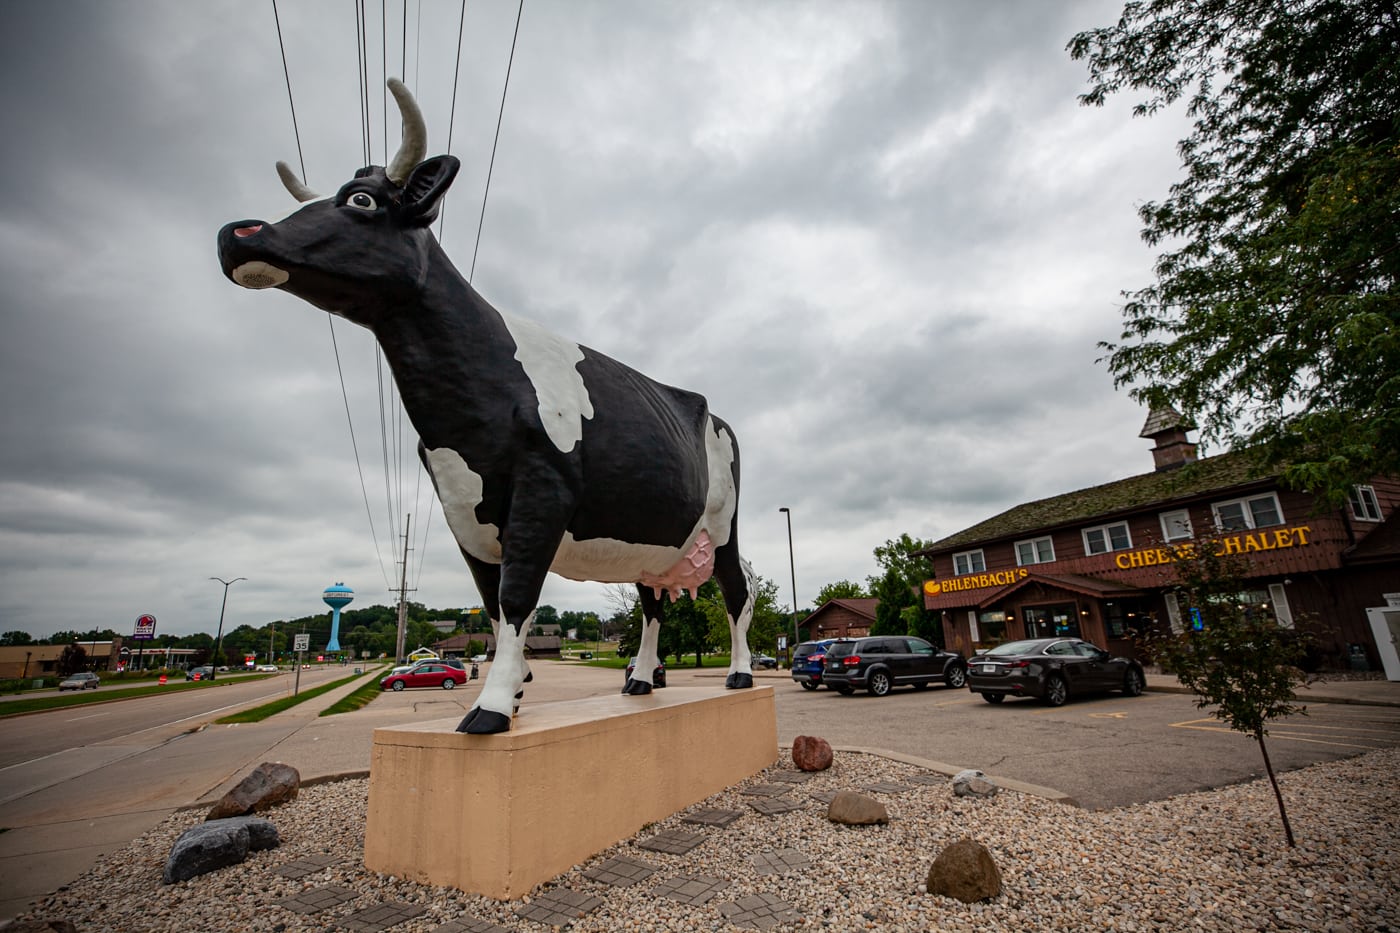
1058	621
1385	628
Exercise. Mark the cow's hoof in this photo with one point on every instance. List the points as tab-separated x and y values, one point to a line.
529	676
484	722
738	681
636	688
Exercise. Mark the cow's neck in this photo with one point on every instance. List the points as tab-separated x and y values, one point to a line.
440	344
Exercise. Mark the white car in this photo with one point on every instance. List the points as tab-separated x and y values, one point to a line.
267	668
478	659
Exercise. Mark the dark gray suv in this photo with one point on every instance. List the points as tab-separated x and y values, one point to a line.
881	663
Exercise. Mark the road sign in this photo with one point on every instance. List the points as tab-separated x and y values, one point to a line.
145	628
301	641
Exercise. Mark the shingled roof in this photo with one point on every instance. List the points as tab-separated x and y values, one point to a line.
1125	495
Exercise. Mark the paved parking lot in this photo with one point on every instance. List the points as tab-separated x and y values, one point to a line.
1103	751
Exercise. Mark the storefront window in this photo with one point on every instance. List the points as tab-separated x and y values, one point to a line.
1059	621
991	626
1125	618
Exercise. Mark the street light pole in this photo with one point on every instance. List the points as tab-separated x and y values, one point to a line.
219	638
792	568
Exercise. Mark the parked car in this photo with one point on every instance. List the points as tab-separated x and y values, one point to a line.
429	674
766	662
267	668
478	659
881	663
658	676
1053	669
450	662
200	673
83	680
808	662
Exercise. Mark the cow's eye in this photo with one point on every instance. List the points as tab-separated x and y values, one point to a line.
363	201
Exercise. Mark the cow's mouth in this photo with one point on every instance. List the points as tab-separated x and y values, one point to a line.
258	274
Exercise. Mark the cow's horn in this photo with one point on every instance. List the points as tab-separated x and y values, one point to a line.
293	183
415	135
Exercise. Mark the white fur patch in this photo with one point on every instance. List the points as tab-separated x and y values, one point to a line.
551	364
507	674
459	490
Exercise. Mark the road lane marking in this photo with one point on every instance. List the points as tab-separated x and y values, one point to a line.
93	716
1108	715
1280	734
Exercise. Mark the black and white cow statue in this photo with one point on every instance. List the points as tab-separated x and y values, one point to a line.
546	455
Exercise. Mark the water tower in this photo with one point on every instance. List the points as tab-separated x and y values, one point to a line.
337	596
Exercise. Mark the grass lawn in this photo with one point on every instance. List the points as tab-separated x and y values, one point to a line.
259	713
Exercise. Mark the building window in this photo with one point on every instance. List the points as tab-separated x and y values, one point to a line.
1254	512
1107	538
1036	551
969	562
1176	525
1365	507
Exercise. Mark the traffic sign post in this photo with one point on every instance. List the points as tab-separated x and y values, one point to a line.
300	642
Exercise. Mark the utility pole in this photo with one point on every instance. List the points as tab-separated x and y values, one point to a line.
403	591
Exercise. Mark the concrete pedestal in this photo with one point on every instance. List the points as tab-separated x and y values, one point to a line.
498	814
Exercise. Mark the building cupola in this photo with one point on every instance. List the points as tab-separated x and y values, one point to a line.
1166	428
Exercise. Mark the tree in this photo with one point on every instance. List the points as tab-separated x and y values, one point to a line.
900	591
1240	661
72	660
841	589
1274	321
15	638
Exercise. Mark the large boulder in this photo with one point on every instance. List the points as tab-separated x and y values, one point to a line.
217	844
852	809
965	870
269	784
972	783
810	753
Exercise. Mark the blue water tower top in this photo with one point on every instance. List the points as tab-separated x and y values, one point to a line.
338	595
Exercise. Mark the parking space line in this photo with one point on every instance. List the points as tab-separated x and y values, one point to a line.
1273	734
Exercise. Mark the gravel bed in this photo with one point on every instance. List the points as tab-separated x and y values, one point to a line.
1214	860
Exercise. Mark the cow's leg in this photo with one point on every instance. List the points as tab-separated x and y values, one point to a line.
736	582
640	681
488	584
537	518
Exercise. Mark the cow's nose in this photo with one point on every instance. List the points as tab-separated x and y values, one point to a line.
246	231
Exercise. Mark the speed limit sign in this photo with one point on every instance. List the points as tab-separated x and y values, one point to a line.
301	641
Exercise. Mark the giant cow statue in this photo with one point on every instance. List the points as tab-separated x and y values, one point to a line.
546	455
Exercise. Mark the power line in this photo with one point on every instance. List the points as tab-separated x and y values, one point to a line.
500	114
287	74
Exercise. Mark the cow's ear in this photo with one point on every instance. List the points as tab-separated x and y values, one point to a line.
426	184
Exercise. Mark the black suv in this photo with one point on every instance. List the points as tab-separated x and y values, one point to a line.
881	663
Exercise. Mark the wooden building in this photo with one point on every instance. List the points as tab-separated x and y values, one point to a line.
1096	563
840	618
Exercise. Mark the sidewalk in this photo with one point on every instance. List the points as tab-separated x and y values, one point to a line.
1354	692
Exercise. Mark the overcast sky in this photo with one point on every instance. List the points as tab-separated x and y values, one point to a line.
881	238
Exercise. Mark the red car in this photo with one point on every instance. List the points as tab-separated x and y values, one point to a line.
425	675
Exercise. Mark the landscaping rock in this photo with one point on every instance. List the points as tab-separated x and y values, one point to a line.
269	784
38	926
972	783
217	844
854	809
810	753
965	871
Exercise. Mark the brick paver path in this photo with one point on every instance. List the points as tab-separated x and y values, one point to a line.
766	790
318	899
469	925
772	806
713	817
673	842
302	867
381	917
792	777
621	871
780	862
886	787
692	889
759	911
558	907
